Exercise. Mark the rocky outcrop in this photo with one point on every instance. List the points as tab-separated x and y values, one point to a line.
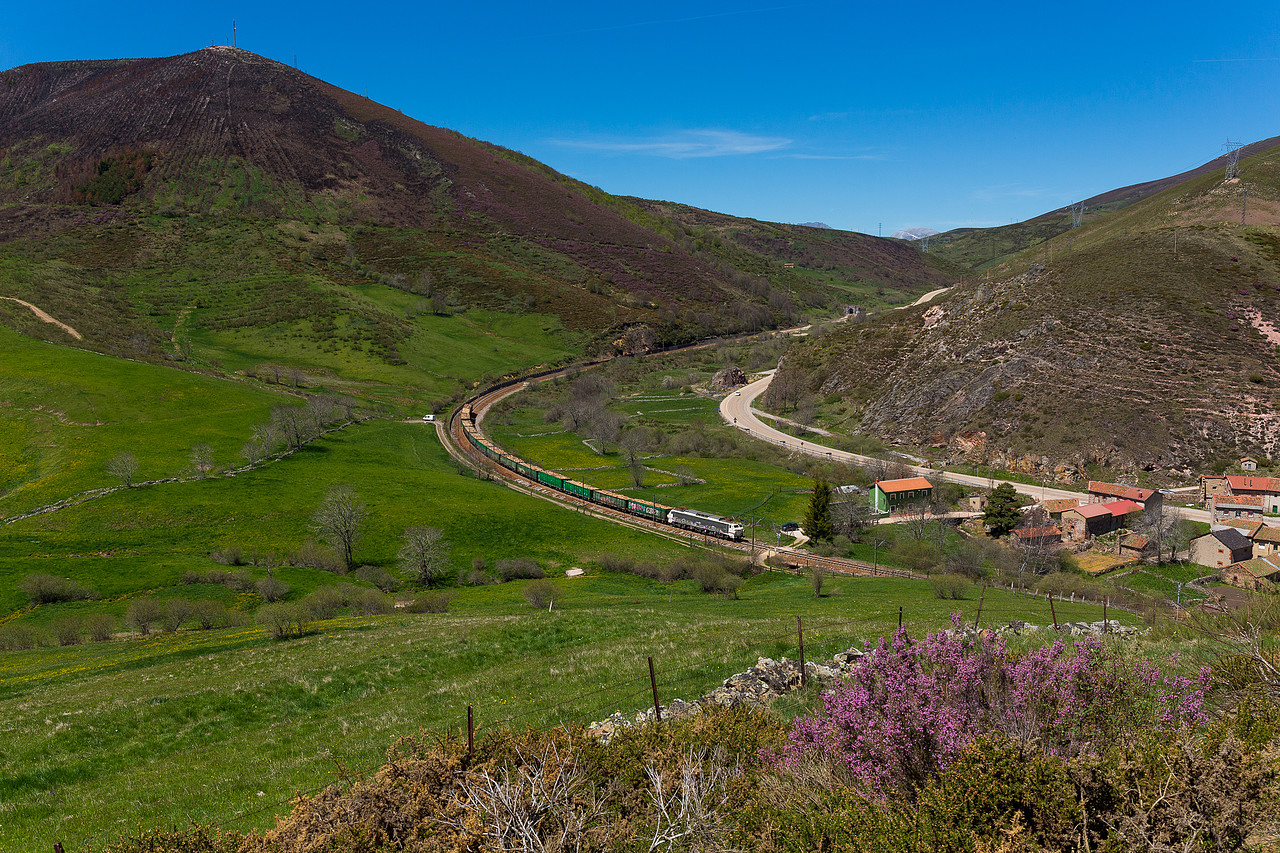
730	377
770	679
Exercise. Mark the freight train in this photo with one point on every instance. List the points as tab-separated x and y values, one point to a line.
686	519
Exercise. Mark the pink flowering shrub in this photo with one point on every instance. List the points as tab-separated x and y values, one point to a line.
911	708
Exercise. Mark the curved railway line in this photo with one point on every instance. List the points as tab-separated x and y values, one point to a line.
460	445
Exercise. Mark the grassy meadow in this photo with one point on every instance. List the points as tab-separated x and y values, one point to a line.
226	726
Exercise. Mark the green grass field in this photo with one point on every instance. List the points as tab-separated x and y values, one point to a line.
64	412
145	538
226	726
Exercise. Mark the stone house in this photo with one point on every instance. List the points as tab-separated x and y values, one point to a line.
1248	463
1237	506
1056	508
1136	545
1266	542
974	503
1220	548
1035	537
1147	499
1095	519
1210	487
1255	574
1266	488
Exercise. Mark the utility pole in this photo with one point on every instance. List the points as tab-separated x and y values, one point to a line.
233	32
1244	205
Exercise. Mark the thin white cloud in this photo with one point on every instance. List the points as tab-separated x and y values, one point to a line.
828	116
684	144
836	156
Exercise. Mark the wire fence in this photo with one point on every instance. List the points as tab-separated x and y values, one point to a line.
689	674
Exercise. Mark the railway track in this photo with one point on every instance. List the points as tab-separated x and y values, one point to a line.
457	445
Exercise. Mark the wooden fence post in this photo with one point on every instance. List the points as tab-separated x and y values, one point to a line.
804	675
1053	610
653	682
981	599
471	732
1104	614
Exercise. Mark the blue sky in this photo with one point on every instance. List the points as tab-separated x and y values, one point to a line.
866	117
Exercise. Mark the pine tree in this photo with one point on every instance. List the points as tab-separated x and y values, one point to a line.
1002	511
817	518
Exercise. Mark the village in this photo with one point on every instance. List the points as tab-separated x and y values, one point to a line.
1117	525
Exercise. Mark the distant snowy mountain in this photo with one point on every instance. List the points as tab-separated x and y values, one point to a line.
913	234
815	225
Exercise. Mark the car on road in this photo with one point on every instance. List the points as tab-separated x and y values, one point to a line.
790	526
737	393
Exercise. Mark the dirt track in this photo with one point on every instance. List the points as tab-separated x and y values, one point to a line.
45	316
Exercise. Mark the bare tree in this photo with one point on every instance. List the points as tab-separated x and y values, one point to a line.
339	521
1163	526
123	466
291	423
633	442
852	516
424	554
916	519
202	459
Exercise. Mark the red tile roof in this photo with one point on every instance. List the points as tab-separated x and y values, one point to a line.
1122	508
1266	533
1119	490
1238	500
910	484
1091	510
1060	505
1249	527
1240	483
1135	540
1258	567
1035	532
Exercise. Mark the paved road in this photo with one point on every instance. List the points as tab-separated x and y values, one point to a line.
736	409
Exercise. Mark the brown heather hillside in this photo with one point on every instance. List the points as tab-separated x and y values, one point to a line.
131	190
1115	351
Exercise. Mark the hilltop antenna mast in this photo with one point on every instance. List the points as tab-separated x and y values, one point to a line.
1233	158
233	32
1077	214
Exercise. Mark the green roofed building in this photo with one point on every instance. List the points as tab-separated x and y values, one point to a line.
889	496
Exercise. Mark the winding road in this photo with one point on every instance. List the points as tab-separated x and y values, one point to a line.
737	410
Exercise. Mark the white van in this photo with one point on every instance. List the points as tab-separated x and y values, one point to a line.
428	418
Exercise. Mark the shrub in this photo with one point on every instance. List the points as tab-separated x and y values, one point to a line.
231	556
282	620
15	638
176	611
209	614
315	556
379	577
953	587
911	708
324	603
540	593
272	588
47	589
477	577
100	626
431	602
520	568
370	602
68	631
143	613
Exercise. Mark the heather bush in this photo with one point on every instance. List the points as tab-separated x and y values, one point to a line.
912	707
